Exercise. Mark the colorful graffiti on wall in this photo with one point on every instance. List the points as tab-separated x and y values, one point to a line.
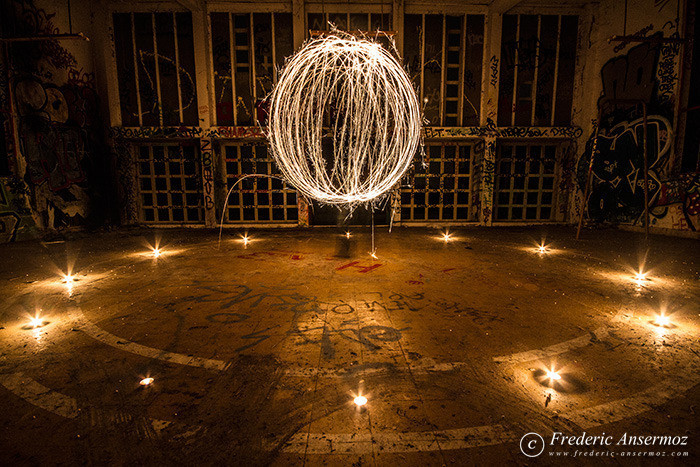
58	122
677	205
617	191
16	222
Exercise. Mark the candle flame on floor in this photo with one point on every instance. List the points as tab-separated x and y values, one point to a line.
360	401
36	321
662	320
146	381
553	375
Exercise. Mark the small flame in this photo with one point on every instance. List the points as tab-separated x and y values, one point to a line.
36	322
360	401
446	237
553	375
146	381
662	320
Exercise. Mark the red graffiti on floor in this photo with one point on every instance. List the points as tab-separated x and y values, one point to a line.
356	264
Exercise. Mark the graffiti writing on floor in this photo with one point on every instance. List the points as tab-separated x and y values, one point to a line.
324	323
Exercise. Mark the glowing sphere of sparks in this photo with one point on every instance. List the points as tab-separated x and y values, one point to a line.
358	92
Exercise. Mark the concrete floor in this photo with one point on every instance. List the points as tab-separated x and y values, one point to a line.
256	351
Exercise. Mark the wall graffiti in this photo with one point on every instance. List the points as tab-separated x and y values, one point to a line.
167	66
640	33
493	66
647	72
186	132
207	172
618	169
58	121
53	138
677	204
503	132
242	132
667	73
16	222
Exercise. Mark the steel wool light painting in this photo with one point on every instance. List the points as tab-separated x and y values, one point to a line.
375	120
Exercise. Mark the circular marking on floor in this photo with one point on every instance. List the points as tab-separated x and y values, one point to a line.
364	443
424	365
556	349
65	406
361	443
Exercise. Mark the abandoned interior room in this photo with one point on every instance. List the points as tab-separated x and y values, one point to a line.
349	232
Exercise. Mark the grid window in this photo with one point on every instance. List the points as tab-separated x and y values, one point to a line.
525	182
444	55
538	55
440	190
247	51
170	183
155	66
256	199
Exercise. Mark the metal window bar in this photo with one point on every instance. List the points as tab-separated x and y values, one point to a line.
253	78
533	90
274	50
422	62
526	181
453	66
232	51
556	69
256	200
159	107
441	191
177	70
169	182
462	71
136	70
443	62
242	67
515	72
